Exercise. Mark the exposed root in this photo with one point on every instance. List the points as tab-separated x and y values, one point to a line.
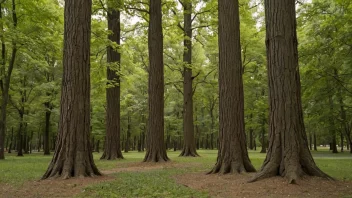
156	157
186	152
112	157
233	167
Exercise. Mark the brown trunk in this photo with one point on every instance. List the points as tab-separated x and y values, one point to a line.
73	156
310	141
250	133
47	129
232	154
97	145
332	128
156	151
5	78
315	141
30	142
128	136
112	149
11	144
288	154
189	144
39	140
263	141
20	137
341	136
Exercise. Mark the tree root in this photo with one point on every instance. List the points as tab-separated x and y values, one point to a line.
188	153
233	167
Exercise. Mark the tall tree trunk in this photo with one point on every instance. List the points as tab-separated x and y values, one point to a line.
232	155
341	136
30	142
310	141
12	140
250	133
20	137
128	136
263	140
5	77
332	128
112	149
189	144
47	129
39	140
288	154
156	151
73	156
97	145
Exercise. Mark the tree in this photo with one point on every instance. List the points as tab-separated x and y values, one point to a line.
288	154
232	154
5	77
112	148
73	156
155	146
189	146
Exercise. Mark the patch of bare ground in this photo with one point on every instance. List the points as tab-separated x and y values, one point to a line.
71	187
50	188
147	166
236	185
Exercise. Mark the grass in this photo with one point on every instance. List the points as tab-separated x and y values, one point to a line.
154	183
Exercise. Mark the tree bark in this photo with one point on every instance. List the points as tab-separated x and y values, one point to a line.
232	155
112	149
189	144
156	151
73	156
288	154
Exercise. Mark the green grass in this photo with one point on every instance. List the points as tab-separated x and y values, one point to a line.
154	183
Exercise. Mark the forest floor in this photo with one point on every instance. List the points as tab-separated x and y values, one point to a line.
182	177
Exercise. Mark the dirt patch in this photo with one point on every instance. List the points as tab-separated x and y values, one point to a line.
147	166
73	186
236	186
51	188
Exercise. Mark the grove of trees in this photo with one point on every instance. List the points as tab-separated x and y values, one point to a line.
83	76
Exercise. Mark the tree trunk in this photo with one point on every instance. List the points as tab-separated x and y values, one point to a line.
97	146
341	136
332	128
47	129
6	78
20	137
315	142
232	155
288	154
263	141
128	136
310	141
251	133
30	142
39	140
11	144
73	156
189	144
156	151
112	148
